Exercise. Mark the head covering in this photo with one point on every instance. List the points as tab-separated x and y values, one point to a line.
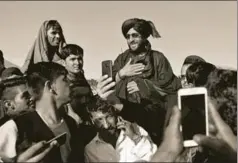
11	72
193	59
145	28
40	49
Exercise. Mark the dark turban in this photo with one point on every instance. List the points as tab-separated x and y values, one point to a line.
145	28
193	59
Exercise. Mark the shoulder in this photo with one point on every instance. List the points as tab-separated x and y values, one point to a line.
8	126
8	138
158	54
92	145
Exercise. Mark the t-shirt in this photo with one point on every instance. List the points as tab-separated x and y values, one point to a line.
65	149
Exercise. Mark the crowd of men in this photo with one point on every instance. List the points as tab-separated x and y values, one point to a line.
133	116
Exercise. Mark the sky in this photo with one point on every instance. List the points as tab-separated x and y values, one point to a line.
207	29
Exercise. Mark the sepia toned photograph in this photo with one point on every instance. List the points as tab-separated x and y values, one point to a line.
118	81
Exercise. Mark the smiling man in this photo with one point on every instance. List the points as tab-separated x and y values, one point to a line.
144	77
47	45
72	56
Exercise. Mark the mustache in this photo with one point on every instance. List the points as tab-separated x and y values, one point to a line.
133	42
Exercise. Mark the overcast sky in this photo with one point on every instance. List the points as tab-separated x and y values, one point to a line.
207	29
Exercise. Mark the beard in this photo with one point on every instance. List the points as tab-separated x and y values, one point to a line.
140	47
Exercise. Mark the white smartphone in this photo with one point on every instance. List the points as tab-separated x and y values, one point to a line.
193	105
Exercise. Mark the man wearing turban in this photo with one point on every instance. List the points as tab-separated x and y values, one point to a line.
47	45
144	78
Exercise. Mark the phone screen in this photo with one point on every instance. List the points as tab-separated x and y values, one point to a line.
107	68
193	115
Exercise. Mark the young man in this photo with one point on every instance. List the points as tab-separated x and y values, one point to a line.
144	77
47	45
81	94
50	88
117	140
15	98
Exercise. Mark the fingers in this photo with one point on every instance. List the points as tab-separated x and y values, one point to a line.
175	119
121	126
40	156
222	128
107	87
104	86
121	123
212	143
119	119
31	151
137	68
218	146
129	61
105	95
104	80
132	87
212	130
133	91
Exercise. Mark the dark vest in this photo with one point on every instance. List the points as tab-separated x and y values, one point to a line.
31	128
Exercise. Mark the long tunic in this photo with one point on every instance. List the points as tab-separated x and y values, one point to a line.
157	91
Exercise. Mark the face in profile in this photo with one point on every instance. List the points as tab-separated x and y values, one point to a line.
183	78
134	40
61	90
104	122
21	102
54	36
74	63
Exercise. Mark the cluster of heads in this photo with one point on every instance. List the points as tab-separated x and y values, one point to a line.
45	80
221	85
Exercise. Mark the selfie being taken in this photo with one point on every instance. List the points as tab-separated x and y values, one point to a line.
123	81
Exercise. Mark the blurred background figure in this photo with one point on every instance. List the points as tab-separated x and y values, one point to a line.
189	60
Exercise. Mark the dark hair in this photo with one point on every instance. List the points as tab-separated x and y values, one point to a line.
11	71
54	24
39	73
7	86
222	86
97	104
70	49
191	59
198	72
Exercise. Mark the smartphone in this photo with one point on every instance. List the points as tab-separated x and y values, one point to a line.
61	139
107	68
193	105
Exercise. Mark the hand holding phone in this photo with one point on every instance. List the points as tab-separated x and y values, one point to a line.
61	139
193	105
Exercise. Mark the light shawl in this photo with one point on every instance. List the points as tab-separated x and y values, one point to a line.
40	50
